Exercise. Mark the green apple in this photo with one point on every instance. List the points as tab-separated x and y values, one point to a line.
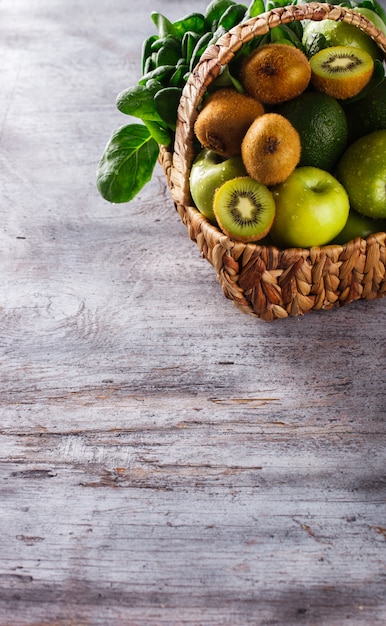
209	171
311	209
362	171
358	225
373	17
340	34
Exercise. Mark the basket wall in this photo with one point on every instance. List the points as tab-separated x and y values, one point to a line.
263	280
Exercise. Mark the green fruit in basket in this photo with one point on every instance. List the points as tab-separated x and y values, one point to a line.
362	171
322	126
358	225
209	171
244	209
373	17
367	114
311	209
339	34
341	71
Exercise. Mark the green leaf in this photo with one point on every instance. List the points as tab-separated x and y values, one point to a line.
161	74
318	42
167	42
214	11
139	102
159	132
166	102
199	49
178	78
163	25
194	22
127	163
147	50
189	41
167	56
232	16
255	8
226	79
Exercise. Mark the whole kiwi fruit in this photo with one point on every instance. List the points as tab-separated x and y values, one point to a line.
271	149
275	72
224	119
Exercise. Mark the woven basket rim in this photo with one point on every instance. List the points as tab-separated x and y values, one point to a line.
177	161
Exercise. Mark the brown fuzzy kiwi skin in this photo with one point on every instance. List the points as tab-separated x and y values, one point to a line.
224	120
271	149
275	73
340	86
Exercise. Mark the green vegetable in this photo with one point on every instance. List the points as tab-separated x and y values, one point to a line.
127	163
189	42
255	8
194	22
163	25
147	50
159	133
139	102
214	11
166	102
232	16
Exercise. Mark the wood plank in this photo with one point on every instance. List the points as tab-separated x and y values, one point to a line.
164	459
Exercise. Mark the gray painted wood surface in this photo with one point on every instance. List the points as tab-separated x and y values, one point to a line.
164	459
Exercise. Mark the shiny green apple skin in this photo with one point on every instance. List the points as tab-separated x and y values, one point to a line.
312	207
362	171
358	225
209	171
373	17
341	34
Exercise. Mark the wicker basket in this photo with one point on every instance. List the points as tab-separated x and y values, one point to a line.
263	280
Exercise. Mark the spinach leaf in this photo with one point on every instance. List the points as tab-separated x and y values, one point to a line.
166	102
194	22
147	51
214	11
139	102
255	8
160	133
164	26
127	163
232	16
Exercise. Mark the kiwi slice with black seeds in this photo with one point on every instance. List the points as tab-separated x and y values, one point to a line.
244	209
341	71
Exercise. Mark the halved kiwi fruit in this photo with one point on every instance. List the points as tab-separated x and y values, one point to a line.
341	71
271	149
275	72
244	209
224	120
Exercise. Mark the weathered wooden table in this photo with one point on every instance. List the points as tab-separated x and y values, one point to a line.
165	459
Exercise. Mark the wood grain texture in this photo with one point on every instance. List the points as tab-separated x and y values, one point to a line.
164	459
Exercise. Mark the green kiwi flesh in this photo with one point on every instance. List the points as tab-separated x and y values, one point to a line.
341	71
271	149
275	73
244	209
224	120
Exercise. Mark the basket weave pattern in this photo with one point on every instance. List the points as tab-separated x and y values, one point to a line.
263	280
